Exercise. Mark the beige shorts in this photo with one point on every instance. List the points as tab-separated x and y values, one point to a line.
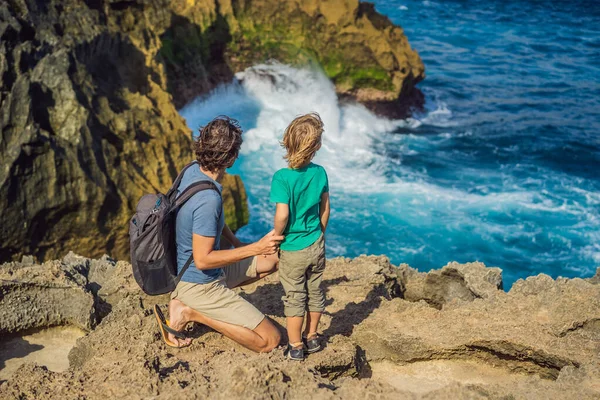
216	300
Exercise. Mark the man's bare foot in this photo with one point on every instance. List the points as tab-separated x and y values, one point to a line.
178	320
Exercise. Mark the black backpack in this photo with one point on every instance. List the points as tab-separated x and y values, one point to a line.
152	237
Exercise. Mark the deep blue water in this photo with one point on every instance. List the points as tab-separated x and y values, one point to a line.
501	168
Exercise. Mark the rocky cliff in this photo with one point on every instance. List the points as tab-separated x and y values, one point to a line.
391	332
89	90
87	125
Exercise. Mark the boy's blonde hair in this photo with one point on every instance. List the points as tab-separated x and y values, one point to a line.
302	139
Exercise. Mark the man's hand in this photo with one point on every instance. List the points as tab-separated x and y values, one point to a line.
268	244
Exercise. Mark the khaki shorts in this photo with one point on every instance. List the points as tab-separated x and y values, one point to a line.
301	273
216	300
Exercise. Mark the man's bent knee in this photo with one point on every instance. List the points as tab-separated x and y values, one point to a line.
270	335
271	342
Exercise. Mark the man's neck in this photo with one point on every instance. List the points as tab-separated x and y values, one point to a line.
217	176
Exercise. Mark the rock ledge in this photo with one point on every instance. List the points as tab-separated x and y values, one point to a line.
392	332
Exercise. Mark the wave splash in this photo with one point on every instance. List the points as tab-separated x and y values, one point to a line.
283	93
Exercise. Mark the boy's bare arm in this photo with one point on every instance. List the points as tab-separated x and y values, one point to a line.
324	211
282	214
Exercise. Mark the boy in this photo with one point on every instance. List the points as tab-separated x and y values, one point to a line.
301	194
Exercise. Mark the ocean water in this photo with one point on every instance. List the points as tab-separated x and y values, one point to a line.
502	167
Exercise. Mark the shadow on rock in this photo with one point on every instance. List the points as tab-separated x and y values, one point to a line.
267	299
344	321
194	60
15	347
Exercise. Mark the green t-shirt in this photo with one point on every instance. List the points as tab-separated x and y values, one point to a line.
301	189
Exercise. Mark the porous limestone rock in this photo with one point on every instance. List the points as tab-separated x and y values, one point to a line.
454	281
86	125
39	296
538	341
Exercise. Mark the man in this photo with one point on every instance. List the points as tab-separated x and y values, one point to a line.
204	293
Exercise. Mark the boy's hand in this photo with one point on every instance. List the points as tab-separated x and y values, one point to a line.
268	244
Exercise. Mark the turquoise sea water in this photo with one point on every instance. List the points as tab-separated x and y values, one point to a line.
502	167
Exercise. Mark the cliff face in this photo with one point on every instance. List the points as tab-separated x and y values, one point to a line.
89	90
87	125
390	333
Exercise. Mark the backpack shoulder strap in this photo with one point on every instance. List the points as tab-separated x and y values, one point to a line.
194	188
185	267
179	178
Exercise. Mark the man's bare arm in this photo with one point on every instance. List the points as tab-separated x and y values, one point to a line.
207	258
324	211
282	214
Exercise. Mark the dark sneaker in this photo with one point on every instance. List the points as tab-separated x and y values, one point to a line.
295	353
312	344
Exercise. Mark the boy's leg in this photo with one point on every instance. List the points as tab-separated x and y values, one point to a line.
294	329
292	274
312	323
316	296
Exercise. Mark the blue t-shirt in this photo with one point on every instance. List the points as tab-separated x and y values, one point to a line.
202	215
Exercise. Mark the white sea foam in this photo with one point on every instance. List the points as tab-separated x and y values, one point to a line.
440	117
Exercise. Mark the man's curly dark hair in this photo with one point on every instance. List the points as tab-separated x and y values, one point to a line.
219	143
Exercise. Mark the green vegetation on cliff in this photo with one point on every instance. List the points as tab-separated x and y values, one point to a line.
255	43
